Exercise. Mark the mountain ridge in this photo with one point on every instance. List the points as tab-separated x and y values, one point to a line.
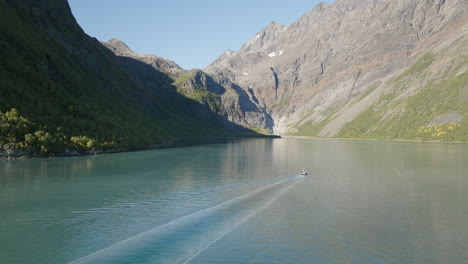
337	52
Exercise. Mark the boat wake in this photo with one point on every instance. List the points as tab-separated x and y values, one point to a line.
183	239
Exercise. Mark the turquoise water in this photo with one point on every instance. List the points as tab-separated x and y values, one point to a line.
241	201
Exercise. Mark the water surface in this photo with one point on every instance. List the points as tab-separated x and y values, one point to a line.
241	201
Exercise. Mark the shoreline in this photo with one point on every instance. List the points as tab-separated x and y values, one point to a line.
166	144
377	139
172	143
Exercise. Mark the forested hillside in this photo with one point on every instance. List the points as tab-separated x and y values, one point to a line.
62	90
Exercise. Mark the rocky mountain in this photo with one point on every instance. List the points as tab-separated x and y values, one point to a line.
160	64
360	68
222	100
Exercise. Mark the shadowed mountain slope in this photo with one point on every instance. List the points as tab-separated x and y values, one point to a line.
69	92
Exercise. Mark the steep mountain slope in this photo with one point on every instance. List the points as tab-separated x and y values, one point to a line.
218	98
61	89
353	61
160	64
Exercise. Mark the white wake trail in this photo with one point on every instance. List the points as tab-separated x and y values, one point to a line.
239	223
195	232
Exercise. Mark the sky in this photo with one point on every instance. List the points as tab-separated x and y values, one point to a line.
193	33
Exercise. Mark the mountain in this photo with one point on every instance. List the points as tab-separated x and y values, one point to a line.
385	69
168	67
62	90
394	69
218	97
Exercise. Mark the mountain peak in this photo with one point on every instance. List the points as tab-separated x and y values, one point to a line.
223	57
274	26
116	41
229	52
119	45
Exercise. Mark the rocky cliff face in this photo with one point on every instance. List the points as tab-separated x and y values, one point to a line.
339	60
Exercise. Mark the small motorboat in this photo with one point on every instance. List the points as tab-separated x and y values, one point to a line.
303	172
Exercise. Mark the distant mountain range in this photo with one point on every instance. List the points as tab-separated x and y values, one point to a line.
394	69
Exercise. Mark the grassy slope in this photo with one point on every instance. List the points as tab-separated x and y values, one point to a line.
398	117
312	129
395	117
199	94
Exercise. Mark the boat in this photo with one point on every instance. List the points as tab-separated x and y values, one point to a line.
303	172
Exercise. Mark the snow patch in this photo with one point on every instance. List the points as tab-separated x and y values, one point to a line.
271	55
258	35
246	73
281	52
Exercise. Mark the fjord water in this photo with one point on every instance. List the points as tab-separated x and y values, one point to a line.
241	201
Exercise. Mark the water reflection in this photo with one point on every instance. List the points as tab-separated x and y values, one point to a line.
365	201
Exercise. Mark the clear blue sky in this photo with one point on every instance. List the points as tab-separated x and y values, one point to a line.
193	33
